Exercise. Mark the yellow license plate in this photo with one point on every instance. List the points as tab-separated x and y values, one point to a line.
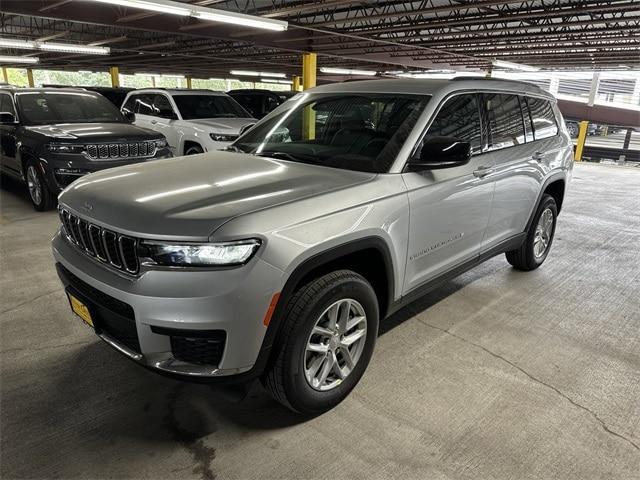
81	310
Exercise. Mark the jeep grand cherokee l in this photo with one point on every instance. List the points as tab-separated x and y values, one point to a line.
278	259
53	136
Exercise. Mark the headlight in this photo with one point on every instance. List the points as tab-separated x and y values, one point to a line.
202	255
65	148
161	143
218	137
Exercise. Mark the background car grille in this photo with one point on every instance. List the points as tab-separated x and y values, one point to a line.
119	251
106	151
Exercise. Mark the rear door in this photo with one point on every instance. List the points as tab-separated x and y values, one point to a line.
164	116
517	173
8	142
142	105
449	208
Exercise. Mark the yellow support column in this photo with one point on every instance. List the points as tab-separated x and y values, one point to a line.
30	78
189	83
296	87
309	64
114	72
582	138
5	75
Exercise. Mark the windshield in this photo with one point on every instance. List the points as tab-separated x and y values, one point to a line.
209	106
44	108
363	131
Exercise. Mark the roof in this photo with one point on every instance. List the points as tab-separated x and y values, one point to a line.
179	91
46	89
421	86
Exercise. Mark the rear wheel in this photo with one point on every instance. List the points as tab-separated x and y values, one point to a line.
327	339
534	250
41	197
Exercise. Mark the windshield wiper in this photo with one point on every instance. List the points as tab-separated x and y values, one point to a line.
282	155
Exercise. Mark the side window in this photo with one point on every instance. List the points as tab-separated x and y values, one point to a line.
6	105
130	105
543	118
505	120
459	117
528	127
162	107
144	104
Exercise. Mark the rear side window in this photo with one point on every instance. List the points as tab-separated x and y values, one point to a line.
543	118
506	128
143	104
130	104
459	117
6	105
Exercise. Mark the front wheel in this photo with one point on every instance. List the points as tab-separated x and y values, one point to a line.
41	197
534	250
326	342
194	150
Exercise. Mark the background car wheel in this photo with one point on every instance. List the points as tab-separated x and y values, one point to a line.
534	250
572	128
39	193
193	150
327	339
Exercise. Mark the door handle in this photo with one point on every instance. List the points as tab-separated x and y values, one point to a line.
482	171
538	156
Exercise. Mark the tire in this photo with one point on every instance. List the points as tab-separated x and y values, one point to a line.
41	197
572	128
194	149
287	378
532	253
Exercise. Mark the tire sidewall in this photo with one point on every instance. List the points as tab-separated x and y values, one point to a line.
547	202
299	393
194	151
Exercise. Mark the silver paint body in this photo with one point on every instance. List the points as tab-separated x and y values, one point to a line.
431	221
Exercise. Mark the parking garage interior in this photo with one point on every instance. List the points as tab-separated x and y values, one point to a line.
494	374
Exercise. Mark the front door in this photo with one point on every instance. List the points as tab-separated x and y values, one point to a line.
449	208
8	143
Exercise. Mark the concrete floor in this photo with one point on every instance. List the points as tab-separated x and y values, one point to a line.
497	375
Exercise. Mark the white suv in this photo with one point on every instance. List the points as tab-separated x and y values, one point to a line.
193	121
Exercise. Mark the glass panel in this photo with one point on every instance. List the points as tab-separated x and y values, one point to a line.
459	117
505	121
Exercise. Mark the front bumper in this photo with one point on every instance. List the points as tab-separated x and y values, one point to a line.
62	170
162	316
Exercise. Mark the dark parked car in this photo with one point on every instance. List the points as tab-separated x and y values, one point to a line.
259	102
113	94
50	137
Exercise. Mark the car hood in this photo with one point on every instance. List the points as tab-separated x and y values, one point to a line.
188	198
94	132
223	125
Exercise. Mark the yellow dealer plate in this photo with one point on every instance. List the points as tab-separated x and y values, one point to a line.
80	309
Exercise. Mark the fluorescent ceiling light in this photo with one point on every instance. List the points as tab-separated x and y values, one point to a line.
271	80
67	47
347	71
147	74
173	8
203	13
15	43
250	73
169	75
514	66
85	71
12	59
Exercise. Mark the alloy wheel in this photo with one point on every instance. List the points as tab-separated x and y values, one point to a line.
544	230
335	344
33	182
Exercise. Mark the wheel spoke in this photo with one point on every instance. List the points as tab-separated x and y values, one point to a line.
333	316
322	331
354	322
346	355
343	319
317	348
350	339
326	368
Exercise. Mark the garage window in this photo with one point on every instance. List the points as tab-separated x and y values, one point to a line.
543	118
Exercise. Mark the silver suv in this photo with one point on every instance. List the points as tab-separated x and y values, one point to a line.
278	259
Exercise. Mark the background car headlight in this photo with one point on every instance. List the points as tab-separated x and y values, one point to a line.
162	143
202	255
218	137
65	148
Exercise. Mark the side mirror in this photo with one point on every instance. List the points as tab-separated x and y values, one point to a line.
441	152
245	128
7	118
129	116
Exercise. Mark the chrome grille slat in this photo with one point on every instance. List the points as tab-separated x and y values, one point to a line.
110	151
109	247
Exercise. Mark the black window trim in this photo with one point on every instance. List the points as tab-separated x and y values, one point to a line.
425	130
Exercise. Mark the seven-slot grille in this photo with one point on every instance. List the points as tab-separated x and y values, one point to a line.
107	151
119	251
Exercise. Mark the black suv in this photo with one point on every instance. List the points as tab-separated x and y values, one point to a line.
51	136
259	102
